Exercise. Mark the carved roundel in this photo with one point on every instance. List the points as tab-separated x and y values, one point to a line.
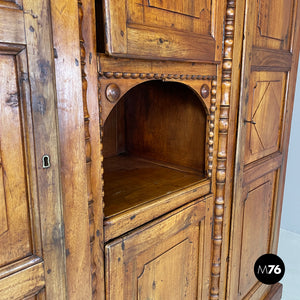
112	92
204	91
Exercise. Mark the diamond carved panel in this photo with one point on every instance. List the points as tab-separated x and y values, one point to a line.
266	101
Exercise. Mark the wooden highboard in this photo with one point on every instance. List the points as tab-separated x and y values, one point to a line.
143	146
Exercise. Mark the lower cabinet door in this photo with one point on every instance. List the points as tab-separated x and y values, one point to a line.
167	259
253	232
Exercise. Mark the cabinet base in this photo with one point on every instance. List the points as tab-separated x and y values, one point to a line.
275	292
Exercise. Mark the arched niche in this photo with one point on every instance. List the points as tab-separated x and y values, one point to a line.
154	143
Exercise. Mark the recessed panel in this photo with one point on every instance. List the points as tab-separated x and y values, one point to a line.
15	223
256	228
163	277
274	19
189	8
162	259
190	16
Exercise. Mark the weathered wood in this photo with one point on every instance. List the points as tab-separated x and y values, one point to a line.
119	66
295	50
24	283
271	60
222	150
96	170
15	226
172	94
12	26
161	30
151	251
266	102
44	114
266	93
73	153
231	148
275	292
139	190
121	87
258	200
20	212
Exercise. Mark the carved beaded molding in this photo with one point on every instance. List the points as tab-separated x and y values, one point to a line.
213	108
222	151
127	75
87	147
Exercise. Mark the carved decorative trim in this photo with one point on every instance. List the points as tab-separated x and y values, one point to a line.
112	92
222	149
87	147
101	137
127	75
212	127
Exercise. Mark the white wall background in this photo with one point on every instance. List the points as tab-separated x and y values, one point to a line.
290	219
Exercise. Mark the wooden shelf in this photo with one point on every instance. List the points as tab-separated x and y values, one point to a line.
130	181
135	186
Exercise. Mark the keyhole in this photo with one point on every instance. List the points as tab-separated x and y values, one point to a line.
46	161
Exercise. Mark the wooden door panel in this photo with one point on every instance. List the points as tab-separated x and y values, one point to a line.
265	111
168	259
180	30
274	23
188	8
155	276
22	272
189	16
15	230
32	254
256	228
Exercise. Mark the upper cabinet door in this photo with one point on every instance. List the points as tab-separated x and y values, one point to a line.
162	29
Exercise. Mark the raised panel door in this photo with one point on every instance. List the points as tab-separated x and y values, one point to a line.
15	231
167	259
270	56
256	228
173	30
32	254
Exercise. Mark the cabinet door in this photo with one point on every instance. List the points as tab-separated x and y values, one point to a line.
271	49
32	255
167	259
255	229
162	29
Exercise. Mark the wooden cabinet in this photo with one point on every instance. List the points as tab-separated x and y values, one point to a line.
143	146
